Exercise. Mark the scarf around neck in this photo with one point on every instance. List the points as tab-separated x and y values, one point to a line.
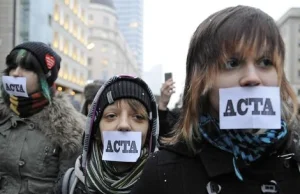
27	106
244	145
103	177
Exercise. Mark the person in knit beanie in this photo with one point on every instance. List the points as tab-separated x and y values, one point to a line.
120	135
40	131
90	91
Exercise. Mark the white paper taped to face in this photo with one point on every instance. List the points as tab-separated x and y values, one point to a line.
249	108
15	86
121	146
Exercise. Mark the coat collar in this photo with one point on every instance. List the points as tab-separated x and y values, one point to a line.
217	162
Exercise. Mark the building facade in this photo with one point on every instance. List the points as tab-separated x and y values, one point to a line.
70	32
130	21
110	54
289	26
7	29
62	24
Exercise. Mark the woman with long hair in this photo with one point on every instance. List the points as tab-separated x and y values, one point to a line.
235	49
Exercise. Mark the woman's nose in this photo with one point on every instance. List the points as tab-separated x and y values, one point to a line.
124	124
15	72
250	76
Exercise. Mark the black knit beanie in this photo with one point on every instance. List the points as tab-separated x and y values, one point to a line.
46	56
124	89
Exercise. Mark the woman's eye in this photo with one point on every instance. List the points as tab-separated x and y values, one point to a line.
110	116
265	63
232	63
139	117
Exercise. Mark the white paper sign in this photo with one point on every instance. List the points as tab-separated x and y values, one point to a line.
121	146
15	86
250	108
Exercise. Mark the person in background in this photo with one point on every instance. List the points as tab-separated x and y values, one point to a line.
74	102
40	131
235	48
123	104
90	91
167	118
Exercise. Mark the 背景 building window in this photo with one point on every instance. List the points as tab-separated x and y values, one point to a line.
106	21
104	48
55	40
104	62
66	22
75	6
75	29
56	12
91	17
66	47
49	20
90	61
74	56
89	74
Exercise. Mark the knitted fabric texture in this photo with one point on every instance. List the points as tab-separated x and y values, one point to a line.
103	177
46	56
27	106
244	145
124	89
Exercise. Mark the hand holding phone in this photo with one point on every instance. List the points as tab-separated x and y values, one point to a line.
168	76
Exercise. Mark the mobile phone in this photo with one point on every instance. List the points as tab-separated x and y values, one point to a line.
168	76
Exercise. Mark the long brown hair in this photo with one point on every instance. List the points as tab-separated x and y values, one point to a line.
244	28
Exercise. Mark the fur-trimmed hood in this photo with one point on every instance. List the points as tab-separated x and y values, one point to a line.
59	121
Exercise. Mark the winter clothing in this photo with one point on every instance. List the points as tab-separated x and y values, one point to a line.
113	94
47	58
91	171
27	106
167	120
90	92
125	89
107	178
75	103
177	170
248	146
37	150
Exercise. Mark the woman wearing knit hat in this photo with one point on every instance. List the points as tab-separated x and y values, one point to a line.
238	131
121	132
40	132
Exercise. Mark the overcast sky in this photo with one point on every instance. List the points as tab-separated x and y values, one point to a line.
169	25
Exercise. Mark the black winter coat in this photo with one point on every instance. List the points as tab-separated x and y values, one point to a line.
167	120
175	170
